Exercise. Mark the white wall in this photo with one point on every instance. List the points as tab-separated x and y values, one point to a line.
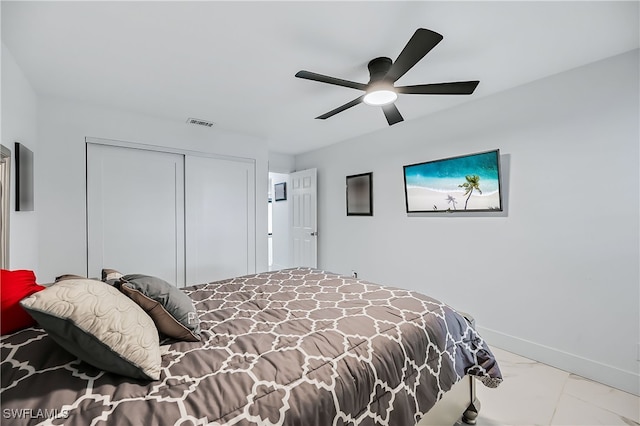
555	277
19	118
63	126
281	163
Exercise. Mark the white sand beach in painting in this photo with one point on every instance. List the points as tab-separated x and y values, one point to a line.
424	199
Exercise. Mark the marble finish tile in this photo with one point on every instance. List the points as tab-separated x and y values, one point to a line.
572	411
528	395
537	394
599	395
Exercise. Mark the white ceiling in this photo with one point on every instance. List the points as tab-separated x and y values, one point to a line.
234	62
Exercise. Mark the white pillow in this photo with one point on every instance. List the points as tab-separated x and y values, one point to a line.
99	325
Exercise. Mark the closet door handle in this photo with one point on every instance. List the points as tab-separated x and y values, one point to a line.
314	234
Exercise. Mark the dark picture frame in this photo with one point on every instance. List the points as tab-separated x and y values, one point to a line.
466	183
280	190
360	194
24	178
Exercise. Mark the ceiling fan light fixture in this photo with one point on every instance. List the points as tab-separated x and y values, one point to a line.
384	73
380	97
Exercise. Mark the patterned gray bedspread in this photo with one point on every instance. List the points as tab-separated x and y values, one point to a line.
292	347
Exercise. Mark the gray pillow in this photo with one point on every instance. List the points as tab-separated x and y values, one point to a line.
170	308
99	325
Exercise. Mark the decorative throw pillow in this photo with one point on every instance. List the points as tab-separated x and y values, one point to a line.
15	286
110	274
99	325
171	309
111	277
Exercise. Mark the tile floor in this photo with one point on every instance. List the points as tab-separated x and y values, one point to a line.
537	394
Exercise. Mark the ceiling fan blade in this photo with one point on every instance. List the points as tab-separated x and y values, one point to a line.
420	44
331	80
392	114
348	105
456	88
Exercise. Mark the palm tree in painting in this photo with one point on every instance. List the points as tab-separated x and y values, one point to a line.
451	200
473	182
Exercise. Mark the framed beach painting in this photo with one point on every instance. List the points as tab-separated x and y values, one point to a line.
468	183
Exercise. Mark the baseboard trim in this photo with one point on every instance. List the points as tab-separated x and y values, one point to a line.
276	267
624	380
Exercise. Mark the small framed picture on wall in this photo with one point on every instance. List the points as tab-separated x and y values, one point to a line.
360	195
280	190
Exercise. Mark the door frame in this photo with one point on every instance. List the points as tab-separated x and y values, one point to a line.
5	210
169	150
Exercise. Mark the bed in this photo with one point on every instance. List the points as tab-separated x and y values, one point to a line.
292	347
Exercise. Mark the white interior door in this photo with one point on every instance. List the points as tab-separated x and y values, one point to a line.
135	212
304	229
220	218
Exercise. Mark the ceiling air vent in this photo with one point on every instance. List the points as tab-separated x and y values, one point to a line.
199	122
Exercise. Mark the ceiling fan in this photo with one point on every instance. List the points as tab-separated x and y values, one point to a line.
380	90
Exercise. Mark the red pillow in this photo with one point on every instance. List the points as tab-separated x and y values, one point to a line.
15	286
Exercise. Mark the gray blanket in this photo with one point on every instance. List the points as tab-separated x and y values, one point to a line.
291	347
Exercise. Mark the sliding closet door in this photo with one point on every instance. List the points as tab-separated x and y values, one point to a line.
135	212
220	218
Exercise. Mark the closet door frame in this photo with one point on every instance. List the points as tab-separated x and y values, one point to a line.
252	237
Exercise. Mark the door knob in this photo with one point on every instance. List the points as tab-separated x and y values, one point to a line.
314	234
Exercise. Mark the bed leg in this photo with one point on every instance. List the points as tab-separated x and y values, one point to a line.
471	413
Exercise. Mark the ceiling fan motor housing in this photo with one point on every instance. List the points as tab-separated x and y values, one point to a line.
378	68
